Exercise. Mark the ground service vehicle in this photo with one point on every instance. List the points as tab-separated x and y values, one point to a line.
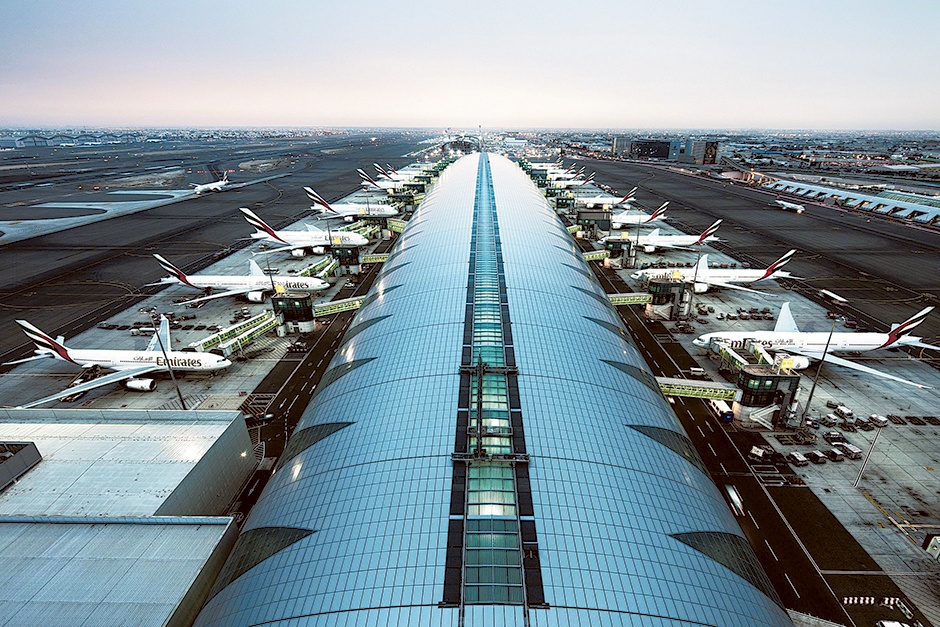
849	450
722	410
797	459
834	455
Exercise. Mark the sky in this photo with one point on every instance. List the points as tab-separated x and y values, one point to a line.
793	64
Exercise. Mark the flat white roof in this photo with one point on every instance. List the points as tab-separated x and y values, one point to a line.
89	573
116	463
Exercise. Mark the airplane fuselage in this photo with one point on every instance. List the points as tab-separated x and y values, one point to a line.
601	201
123	359
260	283
717	275
632	219
357	210
805	341
218	186
310	239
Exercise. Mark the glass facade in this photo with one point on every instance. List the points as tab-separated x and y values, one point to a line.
390	514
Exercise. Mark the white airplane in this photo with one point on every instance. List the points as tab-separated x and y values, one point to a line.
385	185
128	366
633	218
605	200
216	186
349	211
407	174
653	240
253	286
572	182
787	337
298	242
559	174
789	206
705	278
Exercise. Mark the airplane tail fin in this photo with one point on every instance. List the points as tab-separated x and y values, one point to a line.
366	179
319	200
659	212
391	169
175	272
225	177
708	232
899	330
778	264
654	233
589	179
261	227
629	195
45	345
382	171
785	321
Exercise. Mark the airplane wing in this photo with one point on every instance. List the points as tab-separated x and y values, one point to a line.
114	377
163	333
838	361
284	249
163	281
238	292
254	269
673	247
48	355
730	286
785	321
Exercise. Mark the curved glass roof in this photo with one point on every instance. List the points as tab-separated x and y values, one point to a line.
385	511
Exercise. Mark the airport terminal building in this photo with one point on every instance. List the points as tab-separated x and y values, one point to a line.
488	447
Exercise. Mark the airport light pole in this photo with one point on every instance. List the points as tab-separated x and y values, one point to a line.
698	257
159	324
865	463
812	390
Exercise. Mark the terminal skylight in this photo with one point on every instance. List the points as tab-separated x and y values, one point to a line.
487	525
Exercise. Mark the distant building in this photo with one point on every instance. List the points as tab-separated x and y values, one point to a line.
662	150
620	145
700	152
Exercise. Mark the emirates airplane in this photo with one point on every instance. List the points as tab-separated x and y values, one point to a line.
653	240
128	366
705	278
606	200
805	346
252	286
350	211
299	242
634	218
216	186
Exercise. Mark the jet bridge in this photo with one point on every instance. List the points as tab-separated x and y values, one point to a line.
693	388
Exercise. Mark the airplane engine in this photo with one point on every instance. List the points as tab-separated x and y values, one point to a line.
799	363
141	385
348	219
615	226
649	249
700	288
255	297
298	252
319	250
